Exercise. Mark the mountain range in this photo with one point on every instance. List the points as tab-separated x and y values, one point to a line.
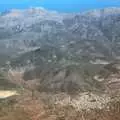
63	48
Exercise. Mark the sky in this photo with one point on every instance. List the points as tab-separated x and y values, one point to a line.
59	5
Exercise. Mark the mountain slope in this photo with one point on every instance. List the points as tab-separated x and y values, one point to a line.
49	40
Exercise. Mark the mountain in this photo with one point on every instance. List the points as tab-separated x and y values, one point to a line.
37	27
49	40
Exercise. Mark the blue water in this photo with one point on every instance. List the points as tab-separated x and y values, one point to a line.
59	5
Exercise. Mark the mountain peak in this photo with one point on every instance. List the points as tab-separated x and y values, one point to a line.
105	11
